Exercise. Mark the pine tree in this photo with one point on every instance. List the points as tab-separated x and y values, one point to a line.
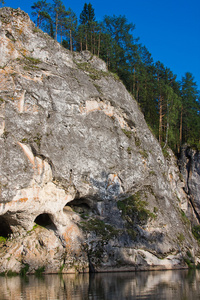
58	13
41	12
70	24
190	118
87	21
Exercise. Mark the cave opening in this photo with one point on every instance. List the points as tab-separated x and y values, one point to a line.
5	230
80	205
45	220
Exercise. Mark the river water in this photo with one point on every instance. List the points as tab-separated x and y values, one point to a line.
176	284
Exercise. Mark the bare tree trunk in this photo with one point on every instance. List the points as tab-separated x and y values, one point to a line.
167	130
137	91
70	33
56	26
181	130
61	35
134	83
86	45
160	118
94	50
99	43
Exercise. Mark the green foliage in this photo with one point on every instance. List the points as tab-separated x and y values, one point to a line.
184	218
127	133
32	60
93	73
189	260
129	150
39	272
196	232
11	273
180	237
171	108
24	270
137	141
165	153
134	210
106	231
143	153
34	227
3	239
2	2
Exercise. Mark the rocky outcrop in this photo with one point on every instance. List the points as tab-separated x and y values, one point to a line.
84	183
189	163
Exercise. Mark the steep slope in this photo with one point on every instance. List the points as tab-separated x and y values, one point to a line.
84	183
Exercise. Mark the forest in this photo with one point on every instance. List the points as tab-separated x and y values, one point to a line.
171	108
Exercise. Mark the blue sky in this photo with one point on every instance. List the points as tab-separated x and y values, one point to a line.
169	29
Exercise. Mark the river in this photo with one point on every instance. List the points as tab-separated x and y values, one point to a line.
176	284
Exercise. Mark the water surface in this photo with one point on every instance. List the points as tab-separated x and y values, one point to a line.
177	284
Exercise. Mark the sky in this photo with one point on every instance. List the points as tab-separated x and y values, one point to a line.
170	30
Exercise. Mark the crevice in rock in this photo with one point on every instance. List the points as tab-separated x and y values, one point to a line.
45	220
9	36
5	229
188	190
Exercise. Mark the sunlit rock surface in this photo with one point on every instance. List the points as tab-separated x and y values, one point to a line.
84	184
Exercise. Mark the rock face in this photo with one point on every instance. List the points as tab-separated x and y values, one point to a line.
84	184
190	169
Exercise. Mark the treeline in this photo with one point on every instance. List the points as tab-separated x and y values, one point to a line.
171	107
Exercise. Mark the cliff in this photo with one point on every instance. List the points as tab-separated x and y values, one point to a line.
84	183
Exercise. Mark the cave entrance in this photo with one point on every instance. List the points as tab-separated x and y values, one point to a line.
45	220
80	205
5	230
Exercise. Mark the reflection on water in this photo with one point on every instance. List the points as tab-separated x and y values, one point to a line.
180	284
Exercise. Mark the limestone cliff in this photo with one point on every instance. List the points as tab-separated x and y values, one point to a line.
84	183
189	164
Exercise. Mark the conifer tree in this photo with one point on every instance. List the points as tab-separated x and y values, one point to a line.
190	117
41	12
87	21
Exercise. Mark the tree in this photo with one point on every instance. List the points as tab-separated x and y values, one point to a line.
40	12
70	24
189	118
2	2
58	13
87	21
121	39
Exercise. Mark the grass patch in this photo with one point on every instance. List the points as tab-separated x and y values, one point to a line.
36	30
34	227
32	60
128	133
184	217
143	153
181	237
137	142
129	150
165	153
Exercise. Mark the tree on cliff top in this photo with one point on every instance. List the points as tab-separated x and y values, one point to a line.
40	12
